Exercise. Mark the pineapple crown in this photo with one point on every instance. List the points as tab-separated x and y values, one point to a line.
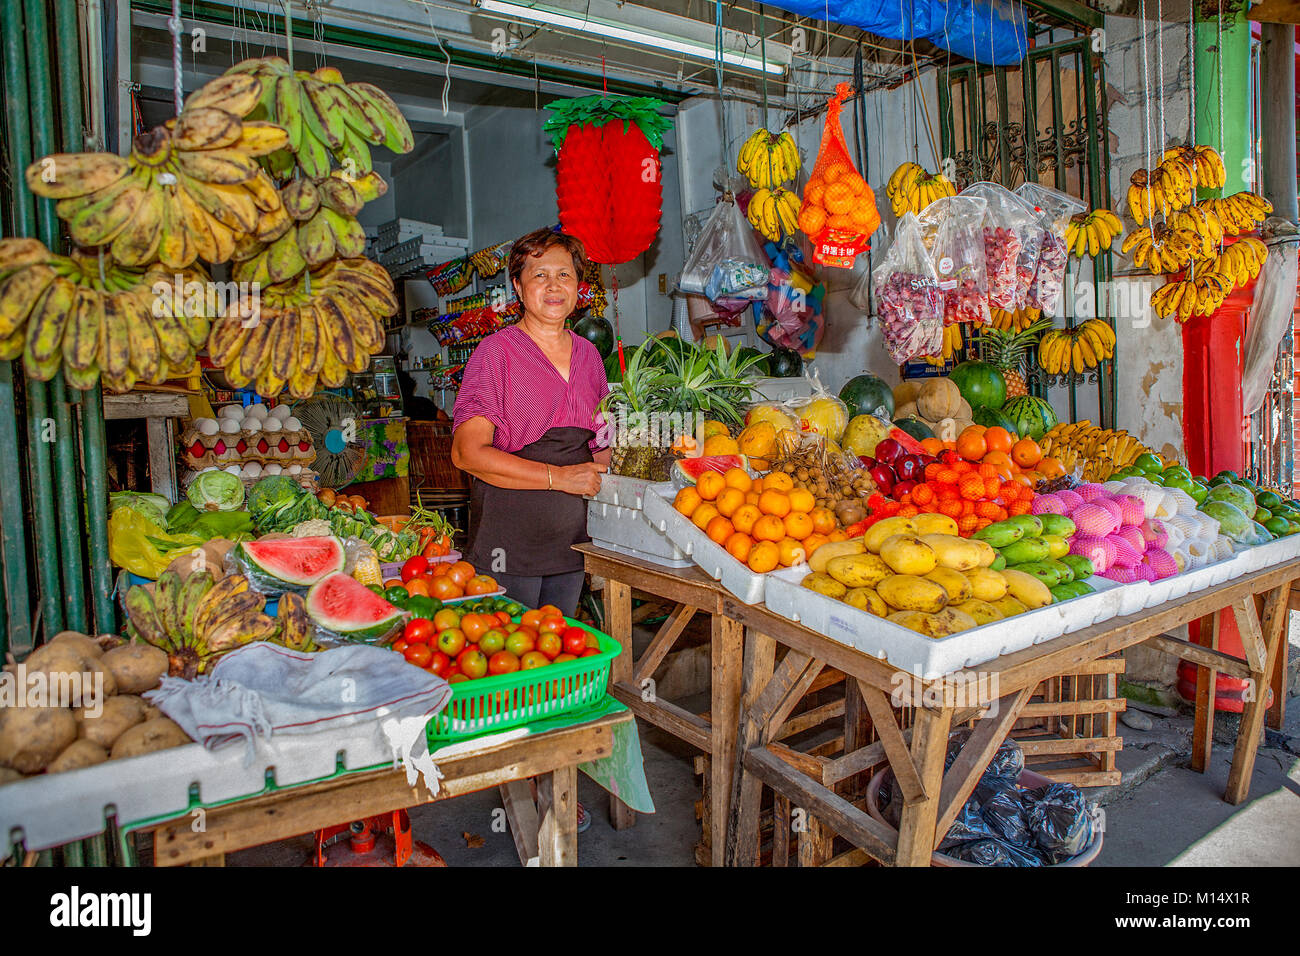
1005	349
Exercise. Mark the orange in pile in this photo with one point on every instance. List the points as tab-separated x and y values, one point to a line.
1014	458
764	523
838	198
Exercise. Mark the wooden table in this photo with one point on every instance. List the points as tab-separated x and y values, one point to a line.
548	834
931	797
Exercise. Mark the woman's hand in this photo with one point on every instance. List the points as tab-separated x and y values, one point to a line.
583	479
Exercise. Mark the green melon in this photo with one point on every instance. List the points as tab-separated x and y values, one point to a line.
596	330
980	384
992	418
866	395
785	363
915	427
1032	416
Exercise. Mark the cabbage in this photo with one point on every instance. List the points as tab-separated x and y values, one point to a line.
154	507
215	491
271	491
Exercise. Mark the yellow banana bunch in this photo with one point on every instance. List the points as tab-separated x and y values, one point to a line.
92	314
768	160
189	189
1083	347
1017	321
774	213
952	343
1198	219
1241	212
910	188
1165	189
1090	234
1100	452
1205	163
313	329
1202	295
1164	249
1241	261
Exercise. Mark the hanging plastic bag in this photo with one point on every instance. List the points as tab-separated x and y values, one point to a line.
953	231
839	209
1270	315
908	299
1011	242
1053	209
727	261
141	546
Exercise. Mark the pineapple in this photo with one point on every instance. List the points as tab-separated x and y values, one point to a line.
1005	350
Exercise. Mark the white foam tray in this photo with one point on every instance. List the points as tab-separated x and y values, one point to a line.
712	558
621	491
641	555
930	658
53	809
628	528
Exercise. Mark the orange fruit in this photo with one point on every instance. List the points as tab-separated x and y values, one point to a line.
931	446
790	552
1026	453
813	192
756	486
737	478
417	588
835	171
774	503
764	557
998	439
739	545
1051	468
703	515
768	528
971	443
687	500
812	218
998	459
710	485
839	200
745	517
840	221
751	498
813	542
778	481
729	502
719	529
823	520
461	572
837	535
798	525
802	500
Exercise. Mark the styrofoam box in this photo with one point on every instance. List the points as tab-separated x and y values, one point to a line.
618	548
927	657
621	491
629	528
709	556
1275	552
782	389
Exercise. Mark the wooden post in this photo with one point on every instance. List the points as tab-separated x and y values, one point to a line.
557	805
618	619
815	842
917	821
1252	715
1206	678
727	655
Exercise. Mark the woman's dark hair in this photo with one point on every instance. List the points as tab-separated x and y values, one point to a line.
537	242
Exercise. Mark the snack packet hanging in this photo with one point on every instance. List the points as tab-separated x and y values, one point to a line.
1011	242
839	209
952	229
908	299
1053	209
727	261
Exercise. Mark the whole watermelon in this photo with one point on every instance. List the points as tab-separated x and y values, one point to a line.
980	384
785	363
612	371
866	394
992	418
916	428
596	330
1032	417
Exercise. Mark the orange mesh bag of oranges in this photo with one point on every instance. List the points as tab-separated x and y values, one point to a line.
839	208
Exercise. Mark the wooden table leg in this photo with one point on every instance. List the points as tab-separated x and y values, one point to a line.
759	658
557	805
917	821
521	815
857	734
618	620
726	656
1277	713
816	842
1206	677
1273	632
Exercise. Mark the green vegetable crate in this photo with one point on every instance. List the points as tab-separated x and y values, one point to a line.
509	700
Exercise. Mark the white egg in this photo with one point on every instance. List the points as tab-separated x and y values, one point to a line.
295	469
280	411
232	411
209	468
253	470
256	411
272	469
292	424
207	426
272	425
233	469
252	425
229	426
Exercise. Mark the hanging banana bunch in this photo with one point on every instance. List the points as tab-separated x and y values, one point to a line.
1083	347
1092	233
1205	162
1241	212
910	188
952	343
767	161
1202	295
774	212
1241	261
1017	321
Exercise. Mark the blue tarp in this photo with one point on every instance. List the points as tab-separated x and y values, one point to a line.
987	31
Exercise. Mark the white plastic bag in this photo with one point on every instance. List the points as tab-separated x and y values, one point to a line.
952	229
1270	314
1053	209
1011	242
727	260
908	299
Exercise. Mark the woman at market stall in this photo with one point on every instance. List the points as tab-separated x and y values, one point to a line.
525	429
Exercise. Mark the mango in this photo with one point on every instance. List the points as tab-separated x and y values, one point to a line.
936	625
934	524
834	549
1025	588
1080	565
1009	606
1057	547
908	592
1060	567
908	554
886	528
1058	525
986	585
1000	533
1049	575
824	584
1064	592
954	552
957	585
988	554
1025	551
857	570
865	599
758	440
1031	524
982	611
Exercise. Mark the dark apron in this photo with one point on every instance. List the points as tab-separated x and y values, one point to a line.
534	529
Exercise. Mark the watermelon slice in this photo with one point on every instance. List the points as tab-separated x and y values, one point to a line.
341	604
689	469
296	562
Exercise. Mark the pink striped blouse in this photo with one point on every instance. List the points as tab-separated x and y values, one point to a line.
510	382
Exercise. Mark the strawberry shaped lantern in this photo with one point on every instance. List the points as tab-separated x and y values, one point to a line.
608	177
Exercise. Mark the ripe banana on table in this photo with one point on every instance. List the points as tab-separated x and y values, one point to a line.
314	328
188	189
910	188
1083	347
768	160
1090	234
90	316
1100	452
324	117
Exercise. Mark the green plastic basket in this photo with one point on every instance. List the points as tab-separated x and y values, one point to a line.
508	700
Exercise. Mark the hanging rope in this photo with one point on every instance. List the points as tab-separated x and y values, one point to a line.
718	72
762	45
1160	66
1146	98
446	68
1191	68
176	28
1218	52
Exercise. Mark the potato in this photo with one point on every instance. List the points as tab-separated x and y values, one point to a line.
31	737
153	735
78	754
119	715
136	667
84	643
150	711
69	671
8	775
